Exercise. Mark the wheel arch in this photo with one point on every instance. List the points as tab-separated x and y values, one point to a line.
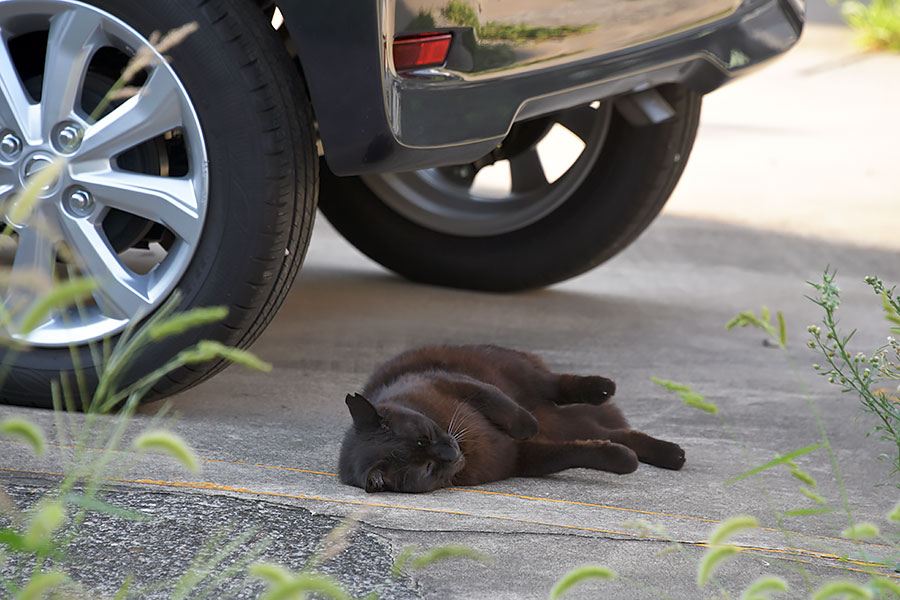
338	47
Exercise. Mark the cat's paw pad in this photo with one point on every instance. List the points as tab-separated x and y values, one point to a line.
524	428
667	455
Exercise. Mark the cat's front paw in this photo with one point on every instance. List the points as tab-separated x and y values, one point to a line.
606	387
524	427
667	455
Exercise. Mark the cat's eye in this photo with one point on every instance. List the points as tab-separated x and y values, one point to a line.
421	443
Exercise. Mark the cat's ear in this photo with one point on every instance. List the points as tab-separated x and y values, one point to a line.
374	480
365	417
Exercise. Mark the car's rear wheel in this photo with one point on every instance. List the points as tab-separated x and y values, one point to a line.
204	180
548	218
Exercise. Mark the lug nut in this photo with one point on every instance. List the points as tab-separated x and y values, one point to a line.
68	138
10	146
80	203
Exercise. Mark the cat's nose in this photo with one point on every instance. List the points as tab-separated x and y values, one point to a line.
447	453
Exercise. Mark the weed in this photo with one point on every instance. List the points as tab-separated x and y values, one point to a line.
863	375
858	374
578	575
38	537
33	539
283	583
764	322
877	23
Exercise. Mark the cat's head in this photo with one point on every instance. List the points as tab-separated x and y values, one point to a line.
395	448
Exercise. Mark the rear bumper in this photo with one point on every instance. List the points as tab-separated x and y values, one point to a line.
372	120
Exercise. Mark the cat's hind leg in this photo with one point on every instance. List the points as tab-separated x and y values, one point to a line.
583	389
650	450
536	458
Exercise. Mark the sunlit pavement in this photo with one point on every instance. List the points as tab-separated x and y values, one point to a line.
805	147
794	170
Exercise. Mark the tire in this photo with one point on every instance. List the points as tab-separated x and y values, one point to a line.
597	208
261	169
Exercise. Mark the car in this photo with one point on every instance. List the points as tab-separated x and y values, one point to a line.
418	127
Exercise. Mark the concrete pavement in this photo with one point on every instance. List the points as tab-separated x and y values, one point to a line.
792	171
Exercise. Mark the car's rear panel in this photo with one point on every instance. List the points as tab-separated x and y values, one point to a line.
528	35
508	61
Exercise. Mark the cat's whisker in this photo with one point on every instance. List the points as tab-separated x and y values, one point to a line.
453	419
460	428
462	434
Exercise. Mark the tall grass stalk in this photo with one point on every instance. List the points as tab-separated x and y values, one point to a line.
698	401
94	457
90	451
855	378
823	433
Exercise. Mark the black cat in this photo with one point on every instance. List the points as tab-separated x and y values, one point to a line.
464	415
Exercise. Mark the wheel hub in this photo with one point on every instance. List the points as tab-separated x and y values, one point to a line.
34	164
98	206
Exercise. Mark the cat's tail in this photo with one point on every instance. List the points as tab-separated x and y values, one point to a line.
578	389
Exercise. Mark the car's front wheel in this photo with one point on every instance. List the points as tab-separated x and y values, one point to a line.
539	218
201	178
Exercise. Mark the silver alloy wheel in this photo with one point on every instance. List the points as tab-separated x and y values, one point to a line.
446	200
68	230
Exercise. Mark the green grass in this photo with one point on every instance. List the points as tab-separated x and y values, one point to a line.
461	14
492	30
877	23
858	374
33	541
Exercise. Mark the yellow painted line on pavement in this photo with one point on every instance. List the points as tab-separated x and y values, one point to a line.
209	460
245	464
661	514
523	497
577	503
789	552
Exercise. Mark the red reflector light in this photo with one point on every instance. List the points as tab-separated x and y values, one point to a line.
421	50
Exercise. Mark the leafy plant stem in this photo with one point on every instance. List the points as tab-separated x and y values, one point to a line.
858	374
801	570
